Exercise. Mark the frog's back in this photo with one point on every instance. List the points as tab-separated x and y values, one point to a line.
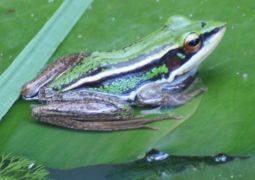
122	71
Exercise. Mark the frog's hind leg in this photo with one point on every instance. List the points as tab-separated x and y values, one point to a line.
30	90
94	115
114	125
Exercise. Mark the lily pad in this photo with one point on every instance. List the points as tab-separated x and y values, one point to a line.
221	120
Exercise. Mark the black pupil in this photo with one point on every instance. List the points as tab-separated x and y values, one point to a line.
194	42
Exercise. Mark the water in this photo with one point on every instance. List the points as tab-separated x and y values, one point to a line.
155	155
221	158
79	36
113	18
245	76
141	169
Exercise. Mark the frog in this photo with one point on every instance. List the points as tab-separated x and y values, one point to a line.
99	91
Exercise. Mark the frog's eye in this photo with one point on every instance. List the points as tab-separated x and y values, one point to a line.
192	43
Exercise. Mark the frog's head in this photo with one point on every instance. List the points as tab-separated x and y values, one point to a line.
195	40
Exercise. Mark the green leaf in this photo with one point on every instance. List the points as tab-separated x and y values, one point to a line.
38	51
221	120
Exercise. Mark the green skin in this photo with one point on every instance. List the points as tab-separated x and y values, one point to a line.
162	36
105	105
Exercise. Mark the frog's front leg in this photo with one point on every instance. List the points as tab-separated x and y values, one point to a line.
93	112
167	95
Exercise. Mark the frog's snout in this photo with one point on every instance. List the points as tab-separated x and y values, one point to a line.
28	92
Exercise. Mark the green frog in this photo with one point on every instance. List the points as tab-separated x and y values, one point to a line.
98	91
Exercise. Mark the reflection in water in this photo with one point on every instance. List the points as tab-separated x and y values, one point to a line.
221	158
156	155
145	169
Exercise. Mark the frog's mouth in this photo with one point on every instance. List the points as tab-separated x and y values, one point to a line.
210	42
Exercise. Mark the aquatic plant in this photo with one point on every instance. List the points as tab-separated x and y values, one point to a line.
15	167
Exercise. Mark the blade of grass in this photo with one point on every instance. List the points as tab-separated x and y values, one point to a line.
38	51
14	167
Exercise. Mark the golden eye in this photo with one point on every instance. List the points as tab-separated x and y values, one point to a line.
192	43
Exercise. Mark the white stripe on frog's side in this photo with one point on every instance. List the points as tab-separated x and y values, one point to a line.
209	45
147	60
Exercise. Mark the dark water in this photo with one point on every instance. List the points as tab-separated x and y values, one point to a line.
143	169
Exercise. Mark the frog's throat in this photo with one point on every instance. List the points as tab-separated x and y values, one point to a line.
209	45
